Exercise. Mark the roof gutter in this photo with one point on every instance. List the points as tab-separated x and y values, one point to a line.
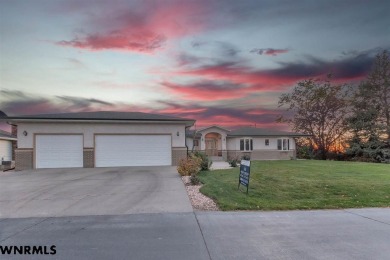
280	135
120	121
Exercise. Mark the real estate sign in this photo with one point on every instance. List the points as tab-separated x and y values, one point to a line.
245	170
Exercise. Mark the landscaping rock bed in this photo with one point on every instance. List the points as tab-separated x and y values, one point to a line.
198	200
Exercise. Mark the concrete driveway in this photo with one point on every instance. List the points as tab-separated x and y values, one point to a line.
97	191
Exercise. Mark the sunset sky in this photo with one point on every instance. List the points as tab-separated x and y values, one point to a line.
219	62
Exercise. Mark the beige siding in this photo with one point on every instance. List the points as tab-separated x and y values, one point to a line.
190	142
231	144
89	129
258	143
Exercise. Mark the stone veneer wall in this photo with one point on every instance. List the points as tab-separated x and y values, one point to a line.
224	155
263	154
177	154
24	159
89	158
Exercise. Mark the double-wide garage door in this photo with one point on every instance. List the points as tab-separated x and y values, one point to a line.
132	150
64	151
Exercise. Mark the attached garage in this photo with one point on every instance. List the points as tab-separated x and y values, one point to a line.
58	151
6	149
132	150
99	139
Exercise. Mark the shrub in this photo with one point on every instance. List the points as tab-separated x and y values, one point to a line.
205	163
194	180
305	152
189	166
246	157
233	161
370	151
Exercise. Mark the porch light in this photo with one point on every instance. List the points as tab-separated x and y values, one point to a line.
178	133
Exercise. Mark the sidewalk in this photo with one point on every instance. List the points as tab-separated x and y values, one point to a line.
220	165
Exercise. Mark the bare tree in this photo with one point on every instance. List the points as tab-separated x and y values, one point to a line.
319	109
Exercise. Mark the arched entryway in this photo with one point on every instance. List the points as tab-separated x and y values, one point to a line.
213	144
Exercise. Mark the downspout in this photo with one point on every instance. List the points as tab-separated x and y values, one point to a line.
185	138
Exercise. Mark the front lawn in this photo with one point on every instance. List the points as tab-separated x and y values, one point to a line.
301	184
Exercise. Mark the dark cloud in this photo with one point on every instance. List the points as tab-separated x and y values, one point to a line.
19	103
227	49
354	67
345	69
269	51
203	113
184	59
197	44
220	48
225	116
12	93
207	90
83	102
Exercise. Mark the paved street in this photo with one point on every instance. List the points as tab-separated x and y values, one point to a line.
322	234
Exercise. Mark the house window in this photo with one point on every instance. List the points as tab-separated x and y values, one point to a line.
196	142
266	142
246	144
283	144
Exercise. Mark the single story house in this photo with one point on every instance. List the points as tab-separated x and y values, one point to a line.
111	139
6	145
99	139
257	143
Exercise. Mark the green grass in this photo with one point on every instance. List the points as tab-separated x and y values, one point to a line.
301	184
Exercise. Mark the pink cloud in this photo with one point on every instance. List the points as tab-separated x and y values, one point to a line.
146	42
259	80
144	30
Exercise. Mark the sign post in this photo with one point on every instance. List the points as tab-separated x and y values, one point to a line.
245	170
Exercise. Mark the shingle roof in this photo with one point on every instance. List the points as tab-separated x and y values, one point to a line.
6	135
251	131
103	115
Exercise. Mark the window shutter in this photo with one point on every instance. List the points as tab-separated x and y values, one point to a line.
246	144
251	144
288	144
242	144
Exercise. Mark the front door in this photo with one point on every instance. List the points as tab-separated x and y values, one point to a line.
211	147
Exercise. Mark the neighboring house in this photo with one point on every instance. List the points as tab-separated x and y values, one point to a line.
258	143
6	140
99	139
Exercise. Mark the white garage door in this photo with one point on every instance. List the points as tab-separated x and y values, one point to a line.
132	150
59	151
5	150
